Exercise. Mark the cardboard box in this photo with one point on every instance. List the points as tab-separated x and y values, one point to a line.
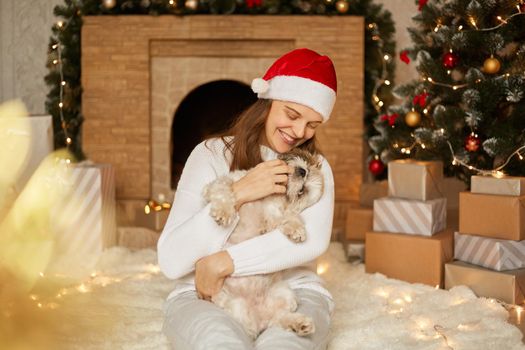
155	220
496	254
410	216
358	222
368	192
505	186
492	215
451	187
411	179
507	286
415	259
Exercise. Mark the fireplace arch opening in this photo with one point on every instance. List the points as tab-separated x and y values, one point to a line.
206	110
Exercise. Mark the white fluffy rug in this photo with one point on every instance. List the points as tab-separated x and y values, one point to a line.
121	309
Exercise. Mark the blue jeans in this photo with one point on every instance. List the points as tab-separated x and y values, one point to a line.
194	324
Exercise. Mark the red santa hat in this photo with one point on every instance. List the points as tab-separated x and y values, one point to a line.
301	76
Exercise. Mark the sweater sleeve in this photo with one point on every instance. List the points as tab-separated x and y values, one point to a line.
273	251
190	232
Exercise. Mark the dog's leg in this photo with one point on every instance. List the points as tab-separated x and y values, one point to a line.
220	195
281	302
293	227
293	321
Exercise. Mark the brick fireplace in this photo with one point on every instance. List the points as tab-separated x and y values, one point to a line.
136	71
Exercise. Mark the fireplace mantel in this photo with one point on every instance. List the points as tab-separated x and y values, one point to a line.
127	122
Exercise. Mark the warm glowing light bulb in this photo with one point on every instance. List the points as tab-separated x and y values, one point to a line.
387	82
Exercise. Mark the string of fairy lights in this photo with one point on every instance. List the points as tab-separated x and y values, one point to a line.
495	65
60	67
385	58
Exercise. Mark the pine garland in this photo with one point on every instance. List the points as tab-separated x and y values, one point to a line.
68	36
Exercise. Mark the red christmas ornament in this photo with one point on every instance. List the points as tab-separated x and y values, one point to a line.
376	167
421	4
253	3
450	60
390	117
472	142
420	99
403	56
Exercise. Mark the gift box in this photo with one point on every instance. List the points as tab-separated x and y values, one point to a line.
41	144
368	192
496	254
358	222
154	220
354	250
32	140
85	223
492	216
410	216
507	286
505	186
415	259
451	187
412	179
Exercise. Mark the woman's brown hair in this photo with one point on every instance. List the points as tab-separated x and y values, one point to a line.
247	132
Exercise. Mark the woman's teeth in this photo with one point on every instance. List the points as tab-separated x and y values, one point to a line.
289	140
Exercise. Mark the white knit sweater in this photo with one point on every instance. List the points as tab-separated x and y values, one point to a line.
190	232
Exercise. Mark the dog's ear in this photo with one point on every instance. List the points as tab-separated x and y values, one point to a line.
318	161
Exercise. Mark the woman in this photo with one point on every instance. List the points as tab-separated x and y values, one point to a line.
296	95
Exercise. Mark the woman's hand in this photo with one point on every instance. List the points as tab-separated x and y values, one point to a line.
210	273
264	179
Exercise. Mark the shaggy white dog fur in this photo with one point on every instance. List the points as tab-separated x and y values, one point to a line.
265	300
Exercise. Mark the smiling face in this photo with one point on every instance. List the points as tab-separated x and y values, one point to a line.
289	124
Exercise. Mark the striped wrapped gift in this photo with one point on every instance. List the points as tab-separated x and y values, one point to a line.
85	223
496	254
410	216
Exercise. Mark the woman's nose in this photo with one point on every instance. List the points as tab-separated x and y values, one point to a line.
299	131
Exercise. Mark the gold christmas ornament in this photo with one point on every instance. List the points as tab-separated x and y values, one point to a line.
109	4
341	6
191	4
491	65
413	118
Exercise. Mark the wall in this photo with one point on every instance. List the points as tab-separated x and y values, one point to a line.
25	28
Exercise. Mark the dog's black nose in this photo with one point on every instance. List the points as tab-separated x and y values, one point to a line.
300	171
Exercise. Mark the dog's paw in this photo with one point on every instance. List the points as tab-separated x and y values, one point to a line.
223	215
302	325
294	231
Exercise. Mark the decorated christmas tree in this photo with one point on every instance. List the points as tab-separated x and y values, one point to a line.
467	107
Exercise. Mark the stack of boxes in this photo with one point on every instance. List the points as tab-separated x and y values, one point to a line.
409	240
490	244
359	220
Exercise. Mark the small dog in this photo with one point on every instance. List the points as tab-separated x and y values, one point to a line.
261	301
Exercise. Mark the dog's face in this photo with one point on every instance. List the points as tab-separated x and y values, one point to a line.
306	179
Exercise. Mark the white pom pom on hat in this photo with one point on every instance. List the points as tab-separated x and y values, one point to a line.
301	76
259	85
